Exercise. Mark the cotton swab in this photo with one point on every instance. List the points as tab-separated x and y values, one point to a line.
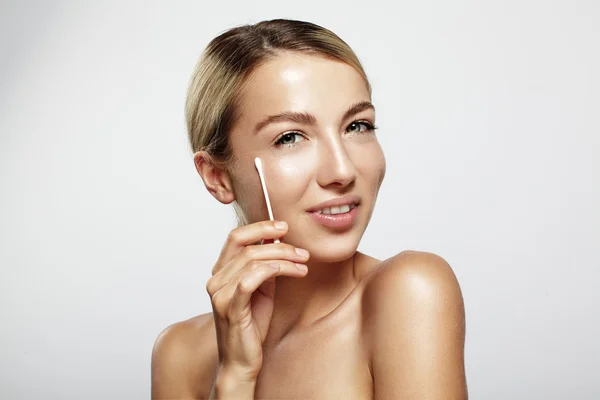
258	165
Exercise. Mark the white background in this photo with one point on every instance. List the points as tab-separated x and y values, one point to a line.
489	119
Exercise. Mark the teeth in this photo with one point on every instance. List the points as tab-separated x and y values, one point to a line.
337	210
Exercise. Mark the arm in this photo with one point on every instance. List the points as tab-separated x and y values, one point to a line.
185	364
415	329
172	377
233	334
230	386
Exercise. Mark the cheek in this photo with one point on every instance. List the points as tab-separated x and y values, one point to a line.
288	176
370	164
382	167
248	192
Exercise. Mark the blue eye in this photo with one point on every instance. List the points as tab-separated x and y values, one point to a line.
289	139
360	127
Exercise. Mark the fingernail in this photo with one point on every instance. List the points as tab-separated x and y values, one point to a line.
302	252
274	265
302	267
280	225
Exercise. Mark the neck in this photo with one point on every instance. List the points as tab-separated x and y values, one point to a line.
303	301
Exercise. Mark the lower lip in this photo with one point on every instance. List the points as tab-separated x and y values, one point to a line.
337	221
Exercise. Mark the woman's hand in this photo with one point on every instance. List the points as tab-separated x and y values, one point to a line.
242	289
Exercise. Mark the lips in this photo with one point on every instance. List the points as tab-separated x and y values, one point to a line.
335	206
336	222
337	214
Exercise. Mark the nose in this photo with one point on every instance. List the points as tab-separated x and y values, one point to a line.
335	166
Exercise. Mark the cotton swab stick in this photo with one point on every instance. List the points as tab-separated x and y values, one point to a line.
258	164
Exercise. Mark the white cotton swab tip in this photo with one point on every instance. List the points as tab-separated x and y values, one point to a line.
258	165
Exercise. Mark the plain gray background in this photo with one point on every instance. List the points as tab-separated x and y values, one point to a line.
489	119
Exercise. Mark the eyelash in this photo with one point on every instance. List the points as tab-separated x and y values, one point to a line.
370	129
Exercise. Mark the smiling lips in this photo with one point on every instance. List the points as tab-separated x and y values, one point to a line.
337	213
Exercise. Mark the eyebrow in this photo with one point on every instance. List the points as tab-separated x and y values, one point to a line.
309	119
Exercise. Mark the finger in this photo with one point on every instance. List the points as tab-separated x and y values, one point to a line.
274	251
247	235
250	254
222	297
251	280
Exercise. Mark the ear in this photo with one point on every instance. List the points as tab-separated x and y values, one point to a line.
215	177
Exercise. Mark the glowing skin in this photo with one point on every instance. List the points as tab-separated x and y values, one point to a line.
316	162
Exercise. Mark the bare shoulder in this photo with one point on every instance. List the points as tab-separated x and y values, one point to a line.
413	273
414	327
413	281
184	359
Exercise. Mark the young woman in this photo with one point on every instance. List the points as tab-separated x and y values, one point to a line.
310	317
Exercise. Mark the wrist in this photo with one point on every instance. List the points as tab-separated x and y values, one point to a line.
233	384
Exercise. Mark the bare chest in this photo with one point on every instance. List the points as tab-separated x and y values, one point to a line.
329	362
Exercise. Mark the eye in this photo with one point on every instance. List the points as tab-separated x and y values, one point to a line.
360	127
289	139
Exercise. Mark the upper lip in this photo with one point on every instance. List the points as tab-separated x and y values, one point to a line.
349	199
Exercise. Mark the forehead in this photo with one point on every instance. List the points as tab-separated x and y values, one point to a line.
301	83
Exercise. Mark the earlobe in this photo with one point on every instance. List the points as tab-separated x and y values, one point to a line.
215	177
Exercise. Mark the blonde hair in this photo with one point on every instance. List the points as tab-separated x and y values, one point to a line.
211	105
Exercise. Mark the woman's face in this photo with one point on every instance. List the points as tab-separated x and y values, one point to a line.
309	120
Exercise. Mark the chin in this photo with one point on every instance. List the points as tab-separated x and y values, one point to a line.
329	248
331	254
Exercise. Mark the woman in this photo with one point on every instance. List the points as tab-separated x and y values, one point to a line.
309	317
